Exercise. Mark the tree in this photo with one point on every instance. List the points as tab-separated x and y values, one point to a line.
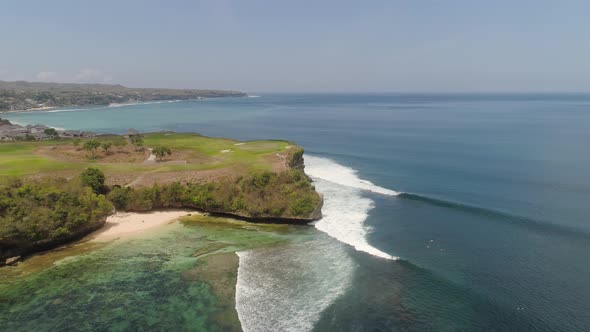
93	178
106	146
161	151
120	142
137	141
51	132
91	146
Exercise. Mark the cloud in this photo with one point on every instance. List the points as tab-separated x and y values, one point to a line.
91	75
48	76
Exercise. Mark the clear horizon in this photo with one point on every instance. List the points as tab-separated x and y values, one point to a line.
303	47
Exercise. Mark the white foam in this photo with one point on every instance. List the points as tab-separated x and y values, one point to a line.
24	124
147	102
71	110
327	169
345	209
253	96
286	288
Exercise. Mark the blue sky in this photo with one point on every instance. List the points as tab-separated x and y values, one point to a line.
301	46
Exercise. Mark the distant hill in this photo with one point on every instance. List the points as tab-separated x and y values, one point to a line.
23	95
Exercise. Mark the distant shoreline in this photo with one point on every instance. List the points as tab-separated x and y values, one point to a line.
32	96
115	105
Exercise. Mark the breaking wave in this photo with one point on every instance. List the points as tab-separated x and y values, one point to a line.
286	288
345	209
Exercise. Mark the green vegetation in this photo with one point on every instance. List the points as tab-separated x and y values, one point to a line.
93	178
161	151
120	142
260	194
106	146
137	141
37	212
201	153
255	180
91	146
51	132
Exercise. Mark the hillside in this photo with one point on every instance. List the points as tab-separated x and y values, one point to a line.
32	95
53	191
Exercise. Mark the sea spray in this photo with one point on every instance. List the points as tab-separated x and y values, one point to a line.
286	288
345	209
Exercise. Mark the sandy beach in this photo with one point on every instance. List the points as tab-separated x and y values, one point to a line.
123	224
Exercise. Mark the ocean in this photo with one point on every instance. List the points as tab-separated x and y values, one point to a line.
443	212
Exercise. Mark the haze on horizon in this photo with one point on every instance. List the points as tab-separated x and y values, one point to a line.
303	46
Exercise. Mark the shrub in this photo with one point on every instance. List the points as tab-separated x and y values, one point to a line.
161	151
51	132
119	196
47	209
258	194
137	141
91	146
93	178
261	178
120	142
106	146
302	205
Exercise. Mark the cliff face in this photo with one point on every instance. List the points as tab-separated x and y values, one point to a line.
295	159
308	203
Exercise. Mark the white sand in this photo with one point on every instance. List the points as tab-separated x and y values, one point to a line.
123	224
225	151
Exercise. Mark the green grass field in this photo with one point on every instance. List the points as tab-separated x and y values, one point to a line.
20	158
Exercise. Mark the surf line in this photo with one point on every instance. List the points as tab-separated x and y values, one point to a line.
345	209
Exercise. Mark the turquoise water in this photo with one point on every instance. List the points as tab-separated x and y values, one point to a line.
491	223
139	283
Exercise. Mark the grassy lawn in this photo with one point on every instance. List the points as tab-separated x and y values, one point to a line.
19	158
244	152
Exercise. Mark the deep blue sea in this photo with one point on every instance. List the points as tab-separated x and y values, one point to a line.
450	211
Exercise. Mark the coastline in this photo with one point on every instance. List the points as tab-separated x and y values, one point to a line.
114	105
126	224
45	108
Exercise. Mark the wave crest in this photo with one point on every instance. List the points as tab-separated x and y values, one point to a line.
345	209
327	169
